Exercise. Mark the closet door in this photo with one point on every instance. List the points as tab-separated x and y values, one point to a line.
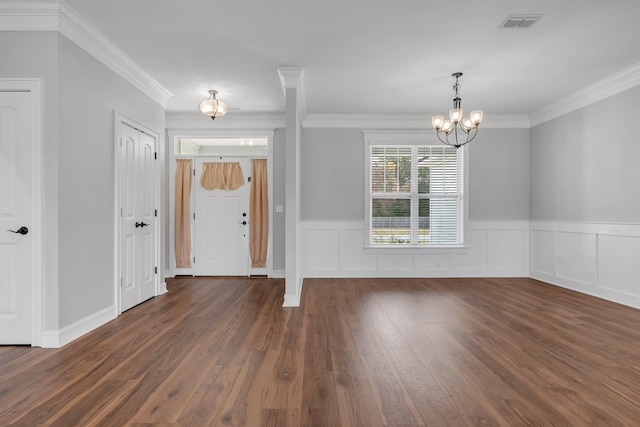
16	219
221	225
138	231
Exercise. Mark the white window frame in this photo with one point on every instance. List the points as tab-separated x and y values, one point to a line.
410	139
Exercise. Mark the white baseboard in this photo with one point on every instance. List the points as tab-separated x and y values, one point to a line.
294	300
278	274
163	288
57	339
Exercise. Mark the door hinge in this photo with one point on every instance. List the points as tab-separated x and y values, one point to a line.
194	172
249	179
156	270
156	212
194	260
194	216
155	156
121	282
120	212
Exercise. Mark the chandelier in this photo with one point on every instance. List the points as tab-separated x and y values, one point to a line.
456	130
213	107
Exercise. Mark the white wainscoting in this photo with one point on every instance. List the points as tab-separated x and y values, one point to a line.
596	259
492	249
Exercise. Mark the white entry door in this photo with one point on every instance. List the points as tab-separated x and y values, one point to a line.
138	216
15	219
221	226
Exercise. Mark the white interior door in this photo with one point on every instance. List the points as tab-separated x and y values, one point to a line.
221	226
15	215
138	217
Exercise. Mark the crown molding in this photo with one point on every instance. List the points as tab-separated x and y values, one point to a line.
609	86
293	78
58	16
21	16
402	121
230	121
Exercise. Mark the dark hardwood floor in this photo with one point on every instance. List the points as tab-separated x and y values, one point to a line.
358	352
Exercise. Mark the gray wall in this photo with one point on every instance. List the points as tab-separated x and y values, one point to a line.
498	168
90	93
332	174
585	164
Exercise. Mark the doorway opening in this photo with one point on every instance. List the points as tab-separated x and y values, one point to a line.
215	231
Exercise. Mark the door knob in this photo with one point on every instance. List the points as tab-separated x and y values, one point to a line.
243	223
21	230
141	224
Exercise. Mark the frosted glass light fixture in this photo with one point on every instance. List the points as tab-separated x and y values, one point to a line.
212	107
462	129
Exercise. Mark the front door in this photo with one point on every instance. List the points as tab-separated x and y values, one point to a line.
15	219
138	216
221	225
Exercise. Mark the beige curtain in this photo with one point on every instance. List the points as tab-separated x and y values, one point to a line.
259	214
222	175
183	213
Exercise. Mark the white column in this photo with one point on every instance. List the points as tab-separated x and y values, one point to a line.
291	79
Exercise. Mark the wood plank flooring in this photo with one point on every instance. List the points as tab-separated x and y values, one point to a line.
358	352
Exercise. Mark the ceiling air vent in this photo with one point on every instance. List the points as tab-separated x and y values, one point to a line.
520	21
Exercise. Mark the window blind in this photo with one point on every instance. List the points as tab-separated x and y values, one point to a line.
415	195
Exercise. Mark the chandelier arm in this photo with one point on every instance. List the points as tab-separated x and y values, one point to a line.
469	139
444	141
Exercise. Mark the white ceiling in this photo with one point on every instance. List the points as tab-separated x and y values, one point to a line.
371	56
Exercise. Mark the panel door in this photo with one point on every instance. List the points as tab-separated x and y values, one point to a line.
15	213
221	226
138	220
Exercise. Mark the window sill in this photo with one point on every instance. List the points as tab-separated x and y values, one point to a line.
412	248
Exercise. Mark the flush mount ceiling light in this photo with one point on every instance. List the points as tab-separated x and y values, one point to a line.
213	107
460	130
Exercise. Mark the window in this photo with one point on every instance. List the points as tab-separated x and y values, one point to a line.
415	195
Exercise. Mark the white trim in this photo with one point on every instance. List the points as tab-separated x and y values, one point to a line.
59	16
231	121
493	249
34	87
294	300
278	274
405	121
609	86
22	16
119	120
293	78
62	337
162	288
597	259
81	32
